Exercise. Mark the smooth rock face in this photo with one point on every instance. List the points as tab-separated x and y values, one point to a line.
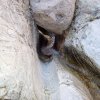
16	60
54	15
22	75
57	83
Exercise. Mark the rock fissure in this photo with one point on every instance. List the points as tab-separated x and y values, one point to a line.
49	44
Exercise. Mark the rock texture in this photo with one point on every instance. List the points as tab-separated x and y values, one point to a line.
22	75
84	34
54	15
16	51
83	43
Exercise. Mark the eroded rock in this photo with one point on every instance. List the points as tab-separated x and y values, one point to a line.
83	43
54	15
84	34
22	75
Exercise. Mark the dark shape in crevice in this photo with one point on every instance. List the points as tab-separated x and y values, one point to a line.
49	44
43	42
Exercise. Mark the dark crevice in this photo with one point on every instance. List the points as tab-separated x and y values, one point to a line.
42	42
56	45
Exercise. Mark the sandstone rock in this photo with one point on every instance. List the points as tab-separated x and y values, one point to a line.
54	15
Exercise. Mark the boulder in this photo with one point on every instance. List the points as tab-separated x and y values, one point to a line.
53	15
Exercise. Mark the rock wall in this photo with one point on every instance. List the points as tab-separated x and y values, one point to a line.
82	43
22	75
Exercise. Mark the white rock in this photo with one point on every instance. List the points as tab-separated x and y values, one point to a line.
85	32
57	83
54	15
71	87
91	41
84	36
16	60
22	75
